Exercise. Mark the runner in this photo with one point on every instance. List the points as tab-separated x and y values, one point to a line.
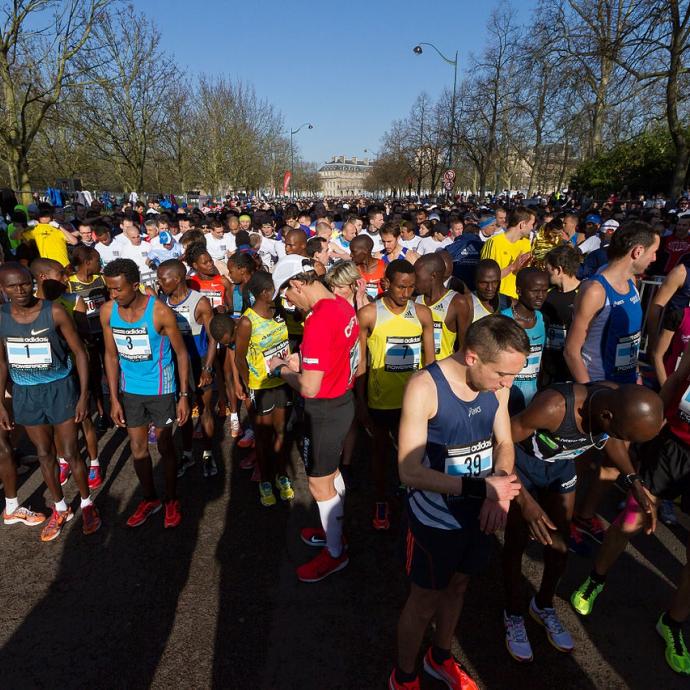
532	287
329	360
261	335
664	473
375	222
486	299
392	245
449	310
39	337
465	251
560	424
206	279
456	456
561	264
193	313
372	270
396	334
139	333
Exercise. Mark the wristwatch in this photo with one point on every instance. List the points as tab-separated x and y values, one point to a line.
184	394
630	479
276	371
208	370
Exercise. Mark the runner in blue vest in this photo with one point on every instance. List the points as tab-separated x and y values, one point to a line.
456	456
139	333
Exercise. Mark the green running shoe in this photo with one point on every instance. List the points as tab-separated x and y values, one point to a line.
677	655
585	595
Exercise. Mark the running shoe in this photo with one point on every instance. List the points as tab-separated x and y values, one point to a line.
585	595
266	495
449	672
102	423
65	472
144	510
517	642
322	566
287	493
558	636
381	519
22	514
394	684
248	461
247	441
208	465
186	462
593	527
667	513
676	653
235	428
313	536
55	524
91	520
95	479
577	543
173	515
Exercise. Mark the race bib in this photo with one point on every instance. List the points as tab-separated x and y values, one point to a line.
94	303
29	353
372	290
475	460
438	333
531	369
133	343
403	354
281	350
555	337
215	297
627	350
183	318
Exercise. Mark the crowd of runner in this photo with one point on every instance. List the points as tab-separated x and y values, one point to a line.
494	350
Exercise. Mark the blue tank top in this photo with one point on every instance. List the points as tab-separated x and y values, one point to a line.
526	381
146	366
612	345
459	443
36	353
193	331
386	258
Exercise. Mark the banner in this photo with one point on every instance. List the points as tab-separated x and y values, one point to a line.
286	181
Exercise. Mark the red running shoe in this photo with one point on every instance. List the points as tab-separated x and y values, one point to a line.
144	510
173	516
91	520
247	441
322	566
449	672
593	527
393	684
381	520
313	536
95	479
65	472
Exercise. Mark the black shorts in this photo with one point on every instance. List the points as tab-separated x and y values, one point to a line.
45	403
386	419
265	400
327	421
665	466
141	410
558	476
434	555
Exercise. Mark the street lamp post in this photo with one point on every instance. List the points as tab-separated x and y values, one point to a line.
417	50
308	125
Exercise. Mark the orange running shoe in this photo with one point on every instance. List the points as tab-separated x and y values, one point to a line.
449	672
55	524
91	520
394	684
22	514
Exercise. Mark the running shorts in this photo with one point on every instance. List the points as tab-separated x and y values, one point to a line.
326	421
141	410
265	400
433	556
665	466
45	403
559	476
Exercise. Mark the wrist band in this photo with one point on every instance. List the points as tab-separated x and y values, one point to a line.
473	487
276	371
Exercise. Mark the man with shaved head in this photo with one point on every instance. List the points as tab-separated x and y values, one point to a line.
558	426
449	309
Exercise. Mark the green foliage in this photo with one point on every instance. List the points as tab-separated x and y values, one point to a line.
641	164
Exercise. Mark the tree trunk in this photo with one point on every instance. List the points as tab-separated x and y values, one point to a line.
20	179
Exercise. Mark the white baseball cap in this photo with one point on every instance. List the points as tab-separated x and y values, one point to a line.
288	267
609	226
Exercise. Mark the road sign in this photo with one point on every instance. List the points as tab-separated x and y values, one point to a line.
449	176
448	185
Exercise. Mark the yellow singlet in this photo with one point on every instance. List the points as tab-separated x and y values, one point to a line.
269	339
444	338
395	353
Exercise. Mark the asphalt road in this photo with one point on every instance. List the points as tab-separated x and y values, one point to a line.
216	604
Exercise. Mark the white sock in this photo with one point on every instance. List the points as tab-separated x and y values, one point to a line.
11	505
233	416
331	512
61	506
85	502
339	484
95	463
207	453
62	461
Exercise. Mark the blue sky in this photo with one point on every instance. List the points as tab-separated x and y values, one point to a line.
347	67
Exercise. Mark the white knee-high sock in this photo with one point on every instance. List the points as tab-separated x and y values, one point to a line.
331	512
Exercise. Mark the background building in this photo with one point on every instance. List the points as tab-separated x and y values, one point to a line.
343	176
